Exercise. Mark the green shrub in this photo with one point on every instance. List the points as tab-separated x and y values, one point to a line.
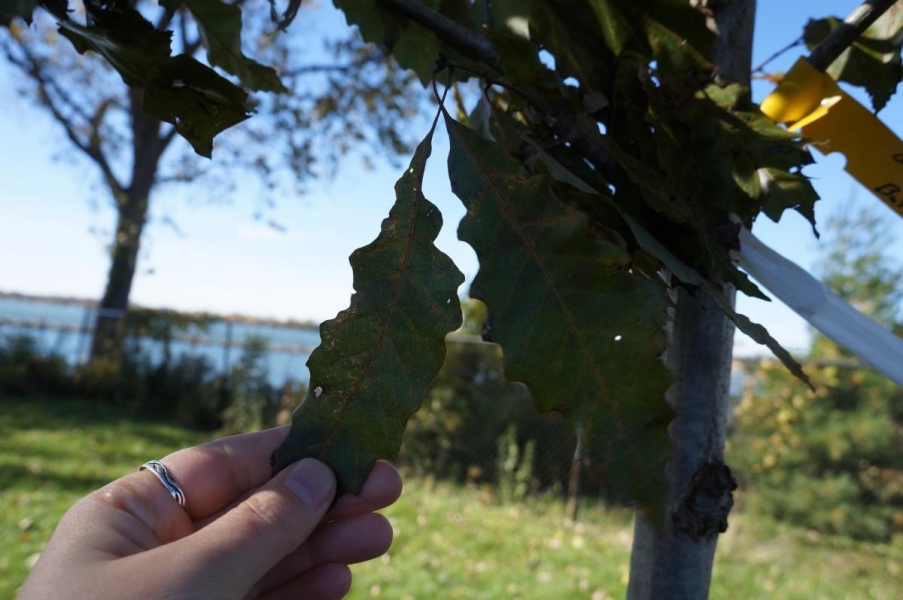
26	371
185	389
514	466
829	460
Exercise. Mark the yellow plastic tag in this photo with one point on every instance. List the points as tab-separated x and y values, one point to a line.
812	102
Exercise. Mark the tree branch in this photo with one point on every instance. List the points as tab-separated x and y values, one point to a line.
459	37
480	48
325	68
49	92
848	32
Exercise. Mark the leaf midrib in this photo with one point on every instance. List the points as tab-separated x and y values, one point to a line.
396	293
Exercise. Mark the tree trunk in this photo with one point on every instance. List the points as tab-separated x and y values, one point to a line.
676	562
132	205
108	328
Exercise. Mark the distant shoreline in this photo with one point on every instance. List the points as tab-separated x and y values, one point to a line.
235	318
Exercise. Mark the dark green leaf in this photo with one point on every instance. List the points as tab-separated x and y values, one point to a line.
412	46
520	61
16	8
681	42
195	99
649	180
691	276
569	31
219	27
575	325
377	358
619	27
671	32
873	61
179	90
128	41
781	190
683	272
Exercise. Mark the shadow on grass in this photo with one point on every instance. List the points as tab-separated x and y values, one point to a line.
21	478
85	416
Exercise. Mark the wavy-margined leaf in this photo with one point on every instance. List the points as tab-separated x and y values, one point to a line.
780	190
575	325
675	32
377	358
128	41
681	270
195	99
219	27
873	60
179	90
568	30
411	45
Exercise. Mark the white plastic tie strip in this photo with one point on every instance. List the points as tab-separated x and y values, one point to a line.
824	310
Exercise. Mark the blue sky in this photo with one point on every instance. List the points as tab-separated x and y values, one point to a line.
226	262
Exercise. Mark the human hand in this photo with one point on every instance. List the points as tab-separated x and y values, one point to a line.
240	534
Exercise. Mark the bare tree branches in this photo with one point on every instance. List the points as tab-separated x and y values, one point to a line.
58	102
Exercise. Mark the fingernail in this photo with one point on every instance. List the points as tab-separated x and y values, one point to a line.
312	481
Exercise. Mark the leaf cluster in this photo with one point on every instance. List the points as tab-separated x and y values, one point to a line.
604	163
178	89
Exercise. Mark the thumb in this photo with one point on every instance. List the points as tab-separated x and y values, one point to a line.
238	549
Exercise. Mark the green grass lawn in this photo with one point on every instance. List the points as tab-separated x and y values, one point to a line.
450	542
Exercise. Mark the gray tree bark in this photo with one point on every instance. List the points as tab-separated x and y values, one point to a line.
132	204
676	561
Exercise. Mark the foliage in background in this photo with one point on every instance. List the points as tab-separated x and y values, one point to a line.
26	371
831	459
148	379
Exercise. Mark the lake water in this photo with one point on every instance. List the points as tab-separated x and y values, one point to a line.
59	327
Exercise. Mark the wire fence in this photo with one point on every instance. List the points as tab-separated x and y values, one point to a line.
220	342
501	440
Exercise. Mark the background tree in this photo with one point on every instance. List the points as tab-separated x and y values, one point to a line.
320	99
829	459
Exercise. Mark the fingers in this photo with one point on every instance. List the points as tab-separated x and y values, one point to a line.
382	488
235	551
351	540
216	473
222	473
326	582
